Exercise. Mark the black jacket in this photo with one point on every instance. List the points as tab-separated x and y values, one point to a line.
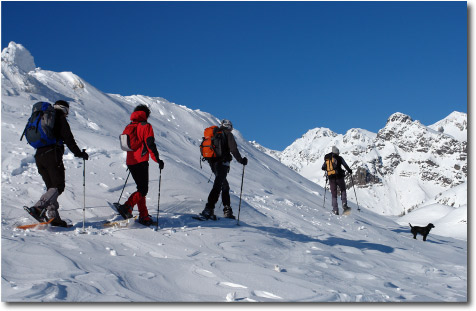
232	146
63	134
340	162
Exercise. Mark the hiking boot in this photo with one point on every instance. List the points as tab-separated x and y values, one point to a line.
346	208
125	210
228	212
146	221
335	212
208	213
57	222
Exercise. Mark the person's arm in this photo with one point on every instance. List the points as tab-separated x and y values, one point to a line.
345	165
234	149
67	137
151	146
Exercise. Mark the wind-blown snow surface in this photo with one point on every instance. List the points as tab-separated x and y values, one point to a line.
286	248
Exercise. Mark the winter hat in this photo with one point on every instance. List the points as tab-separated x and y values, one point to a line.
62	105
226	124
335	150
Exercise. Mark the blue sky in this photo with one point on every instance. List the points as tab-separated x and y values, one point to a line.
275	69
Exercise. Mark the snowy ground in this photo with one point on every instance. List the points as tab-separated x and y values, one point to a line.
287	248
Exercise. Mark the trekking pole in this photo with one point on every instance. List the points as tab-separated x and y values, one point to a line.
325	189
124	186
84	191
353	186
158	202
241	191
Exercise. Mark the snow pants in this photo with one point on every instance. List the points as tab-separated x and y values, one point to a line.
333	184
51	168
220	170
140	174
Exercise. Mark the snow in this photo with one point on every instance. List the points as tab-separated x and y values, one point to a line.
286	248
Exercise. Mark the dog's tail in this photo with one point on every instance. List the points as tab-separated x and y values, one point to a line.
410	225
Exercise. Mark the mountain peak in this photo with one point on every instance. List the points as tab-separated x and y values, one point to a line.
17	55
400	118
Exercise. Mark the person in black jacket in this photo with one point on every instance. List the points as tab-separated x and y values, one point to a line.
49	161
337	179
220	168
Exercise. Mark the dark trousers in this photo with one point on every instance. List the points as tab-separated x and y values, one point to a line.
51	168
220	184
333	184
140	174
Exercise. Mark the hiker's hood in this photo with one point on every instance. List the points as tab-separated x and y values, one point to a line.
138	116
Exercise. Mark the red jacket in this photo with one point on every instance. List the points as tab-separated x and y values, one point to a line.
145	133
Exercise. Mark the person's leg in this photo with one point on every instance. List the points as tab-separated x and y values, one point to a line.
333	187
140	174
51	168
343	192
220	178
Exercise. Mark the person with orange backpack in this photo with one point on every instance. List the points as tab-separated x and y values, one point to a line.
333	166
139	142
217	148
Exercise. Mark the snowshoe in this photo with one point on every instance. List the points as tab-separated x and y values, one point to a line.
146	221
346	211
208	213
38	214
203	218
57	222
124	210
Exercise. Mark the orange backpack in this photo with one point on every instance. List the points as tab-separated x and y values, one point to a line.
331	164
212	143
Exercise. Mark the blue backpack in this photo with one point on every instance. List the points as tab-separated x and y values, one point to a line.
39	128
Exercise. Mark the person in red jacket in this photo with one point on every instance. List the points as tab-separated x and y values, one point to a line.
138	163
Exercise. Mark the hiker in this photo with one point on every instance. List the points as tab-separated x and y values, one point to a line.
138	163
49	161
333	166
220	167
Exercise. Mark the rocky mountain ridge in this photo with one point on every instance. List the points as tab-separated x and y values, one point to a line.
405	164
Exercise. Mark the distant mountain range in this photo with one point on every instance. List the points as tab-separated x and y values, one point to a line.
403	166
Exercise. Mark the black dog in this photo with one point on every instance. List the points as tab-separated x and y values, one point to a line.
422	230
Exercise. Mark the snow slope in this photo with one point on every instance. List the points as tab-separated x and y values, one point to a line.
287	247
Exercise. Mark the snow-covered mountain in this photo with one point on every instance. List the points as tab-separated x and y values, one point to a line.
287	248
401	167
455	125
275	154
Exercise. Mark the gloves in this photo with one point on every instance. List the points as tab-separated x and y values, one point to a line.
83	155
244	161
161	164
